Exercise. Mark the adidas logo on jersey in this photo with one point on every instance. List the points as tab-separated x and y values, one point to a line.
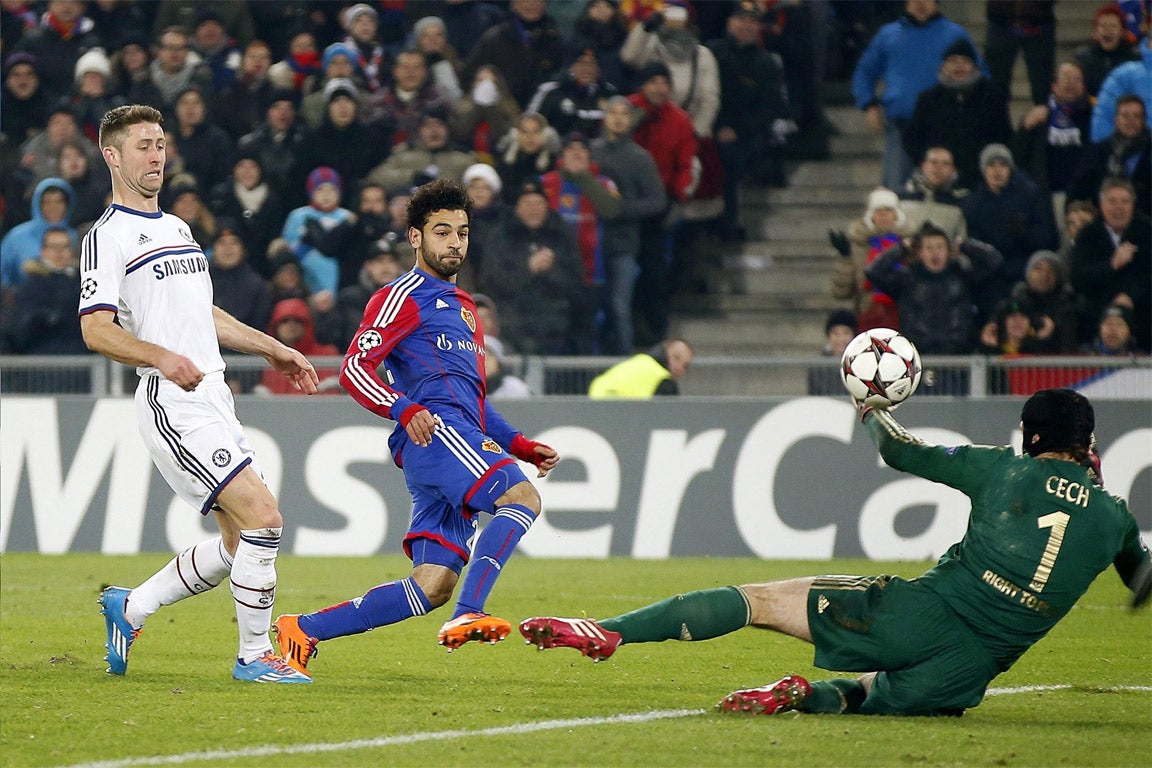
441	304
143	239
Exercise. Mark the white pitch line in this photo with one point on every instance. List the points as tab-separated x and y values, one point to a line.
388	741
504	730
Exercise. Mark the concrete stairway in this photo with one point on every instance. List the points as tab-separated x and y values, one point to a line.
786	263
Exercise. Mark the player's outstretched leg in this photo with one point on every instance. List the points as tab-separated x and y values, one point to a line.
585	635
121	633
475	627
782	696
296	646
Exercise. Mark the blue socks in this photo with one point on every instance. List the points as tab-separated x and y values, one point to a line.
492	551
380	606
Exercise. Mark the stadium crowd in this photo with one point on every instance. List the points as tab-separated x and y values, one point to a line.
604	145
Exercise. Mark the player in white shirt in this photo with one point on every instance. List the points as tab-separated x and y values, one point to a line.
142	268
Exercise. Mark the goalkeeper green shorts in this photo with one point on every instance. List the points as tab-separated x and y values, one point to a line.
929	662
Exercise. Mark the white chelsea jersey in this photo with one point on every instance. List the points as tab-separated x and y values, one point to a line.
149	270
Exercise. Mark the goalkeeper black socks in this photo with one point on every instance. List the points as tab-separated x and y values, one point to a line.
694	616
839	696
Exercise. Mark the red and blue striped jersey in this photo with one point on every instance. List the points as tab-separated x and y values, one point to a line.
420	343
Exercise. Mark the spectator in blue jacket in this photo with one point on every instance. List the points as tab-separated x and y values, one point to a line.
1135	77
52	205
904	55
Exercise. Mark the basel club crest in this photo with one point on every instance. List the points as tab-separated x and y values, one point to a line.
490	445
370	339
469	319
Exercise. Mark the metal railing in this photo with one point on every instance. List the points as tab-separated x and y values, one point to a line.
713	376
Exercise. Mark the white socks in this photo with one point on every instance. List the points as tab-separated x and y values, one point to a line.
253	585
197	569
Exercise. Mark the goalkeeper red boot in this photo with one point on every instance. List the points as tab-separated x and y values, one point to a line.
585	635
479	627
782	696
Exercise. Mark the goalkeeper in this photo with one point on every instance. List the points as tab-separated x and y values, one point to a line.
1041	529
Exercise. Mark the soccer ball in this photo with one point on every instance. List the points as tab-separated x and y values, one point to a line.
880	367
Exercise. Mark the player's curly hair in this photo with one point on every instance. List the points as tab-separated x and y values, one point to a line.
116	122
438	195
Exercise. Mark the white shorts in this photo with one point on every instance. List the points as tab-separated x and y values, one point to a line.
194	437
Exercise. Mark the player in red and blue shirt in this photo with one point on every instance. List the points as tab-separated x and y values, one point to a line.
418	358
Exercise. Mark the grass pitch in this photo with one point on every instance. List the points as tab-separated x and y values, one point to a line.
1081	697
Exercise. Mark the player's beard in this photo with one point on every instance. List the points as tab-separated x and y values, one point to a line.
437	264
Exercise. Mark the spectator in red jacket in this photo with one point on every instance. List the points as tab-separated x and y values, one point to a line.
292	324
666	132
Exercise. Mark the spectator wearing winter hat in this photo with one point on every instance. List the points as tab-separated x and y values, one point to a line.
883	225
255	208
963	112
1046	288
342	141
23	102
239	107
1009	212
321	270
412	94
91	97
353	241
340	63
1114	333
839	329
276	139
484	186
63	35
527	48
362	23
429	155
430	37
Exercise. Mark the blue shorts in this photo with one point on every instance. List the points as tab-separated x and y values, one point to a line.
461	473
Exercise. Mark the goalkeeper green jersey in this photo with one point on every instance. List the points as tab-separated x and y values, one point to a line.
1039	533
